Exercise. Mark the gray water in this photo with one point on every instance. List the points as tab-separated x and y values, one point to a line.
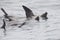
43	30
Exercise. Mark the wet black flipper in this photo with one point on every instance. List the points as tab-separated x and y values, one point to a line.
3	26
6	15
4	11
37	18
44	16
28	12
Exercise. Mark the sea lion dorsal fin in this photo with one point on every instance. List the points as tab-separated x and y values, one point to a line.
44	16
4	11
37	18
28	12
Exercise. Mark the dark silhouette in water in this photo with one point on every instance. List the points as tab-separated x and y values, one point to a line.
37	18
44	16
22	24
3	27
28	12
6	15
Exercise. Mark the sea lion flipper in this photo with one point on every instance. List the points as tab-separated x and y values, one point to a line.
4	24
6	15
28	12
44	16
4	11
37	18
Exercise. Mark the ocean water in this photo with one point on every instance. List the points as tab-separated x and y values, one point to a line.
33	30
